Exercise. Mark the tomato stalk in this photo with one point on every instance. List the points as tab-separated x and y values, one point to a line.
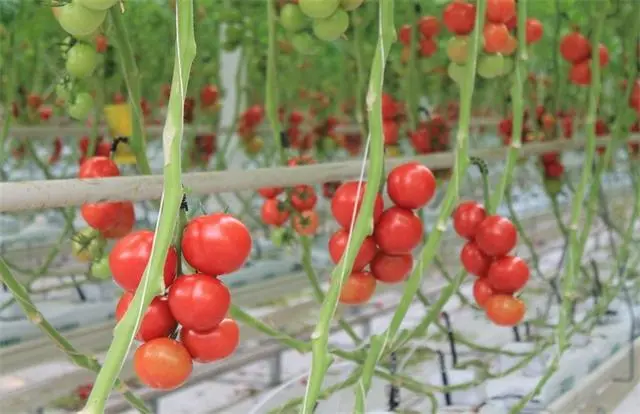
271	89
151	284
411	84
321	359
79	359
131	75
12	61
360	110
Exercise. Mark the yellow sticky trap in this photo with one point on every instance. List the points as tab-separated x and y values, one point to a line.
120	125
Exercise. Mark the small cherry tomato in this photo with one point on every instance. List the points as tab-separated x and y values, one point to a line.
459	17
158	321
500	11
508	274
482	291
505	310
162	363
199	302
270	192
306	223
124	222
338	244
411	185
216	244
398	231
96	167
101	216
391	269
213	345
467	217
274	212
575	48
496	236
534	31
429	26
358	288
347	198
474	260
303	197
580	73
496	37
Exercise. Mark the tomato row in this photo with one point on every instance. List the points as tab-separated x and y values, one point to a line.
193	307
485	255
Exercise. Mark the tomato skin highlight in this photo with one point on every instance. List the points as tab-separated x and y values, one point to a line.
338	245
474	260
505	310
129	257
216	244
398	231
508	274
213	345
96	167
345	199
496	236
199	302
157	322
391	269
482	291
162	363
358	288
411	185
467	217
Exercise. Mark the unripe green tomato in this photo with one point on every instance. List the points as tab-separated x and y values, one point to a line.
458	49
328	145
100	268
507	66
456	72
292	18
82	60
333	27
81	106
319	9
491	66
277	236
305	43
552	186
97	4
79	21
87	244
350	5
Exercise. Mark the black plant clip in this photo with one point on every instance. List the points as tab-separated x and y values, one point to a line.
516	334
445	378
184	206
417	7
117	141
451	338
394	391
284	139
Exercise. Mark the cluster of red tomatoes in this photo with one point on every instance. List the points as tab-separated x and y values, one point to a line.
575	48
428	28
431	135
392	117
113	219
397	230
486	256
553	170
249	121
195	304
299	203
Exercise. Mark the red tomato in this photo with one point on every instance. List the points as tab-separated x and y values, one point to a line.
496	236
45	112
216	244
208	95
34	100
389	107
329	189
550	157
358	288
158	321
580	73
603	55
467	217
474	260
214	345
296	117
124	222
399	231
500	11
129	258
274	212
96	167
508	274
390	131
404	34
253	116
270	192
338	244
496	37
575	48
101	43
482	291
303	197
348	197
534	31
554	170
101	216
199	302
459	17
428	47
505	310
391	269
420	140
162	363
411	185
306	223
429	26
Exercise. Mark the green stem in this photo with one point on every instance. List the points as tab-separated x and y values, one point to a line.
151	284
271	91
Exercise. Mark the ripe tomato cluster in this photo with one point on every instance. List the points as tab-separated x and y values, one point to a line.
431	135
499	42
188	321
553	170
397	230
576	49
298	204
428	29
485	255
250	119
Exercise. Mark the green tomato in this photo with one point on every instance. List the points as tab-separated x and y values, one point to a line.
328	145
81	106
87	244
350	5
79	21
305	43
292	18
333	27
491	66
552	186
100	268
458	49
456	72
319	9
97	4
278	236
507	65
82	60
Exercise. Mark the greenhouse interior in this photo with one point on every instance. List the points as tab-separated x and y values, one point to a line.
298	142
